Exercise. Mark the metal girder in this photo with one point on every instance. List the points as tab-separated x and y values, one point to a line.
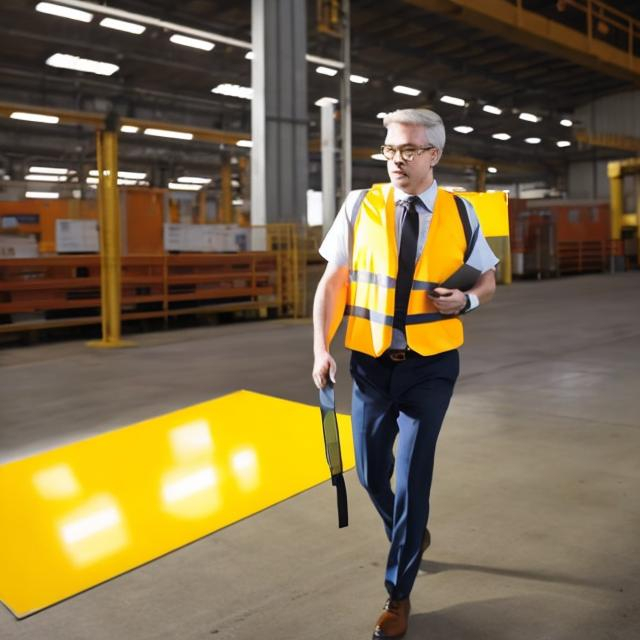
608	140
66	116
516	24
199	133
97	120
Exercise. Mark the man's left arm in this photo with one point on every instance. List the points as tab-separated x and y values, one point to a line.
454	301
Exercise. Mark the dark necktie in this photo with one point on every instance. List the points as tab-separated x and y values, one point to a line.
406	260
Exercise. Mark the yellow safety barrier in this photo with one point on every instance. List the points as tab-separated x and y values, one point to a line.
81	514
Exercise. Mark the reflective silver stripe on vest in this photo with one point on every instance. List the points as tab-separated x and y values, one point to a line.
423	318
368	277
423	285
367	314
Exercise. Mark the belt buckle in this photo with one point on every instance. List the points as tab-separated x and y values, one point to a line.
397	356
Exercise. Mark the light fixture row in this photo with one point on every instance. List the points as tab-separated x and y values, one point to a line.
465	129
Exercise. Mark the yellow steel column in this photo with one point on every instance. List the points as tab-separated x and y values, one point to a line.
614	171
225	212
638	213
110	262
202	206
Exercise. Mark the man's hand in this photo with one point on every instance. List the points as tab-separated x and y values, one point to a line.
324	369
449	301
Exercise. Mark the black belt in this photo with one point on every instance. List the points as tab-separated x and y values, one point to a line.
400	355
332	450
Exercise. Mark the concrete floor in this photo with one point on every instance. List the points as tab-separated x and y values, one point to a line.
535	506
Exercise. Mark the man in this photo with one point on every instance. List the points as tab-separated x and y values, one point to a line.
388	251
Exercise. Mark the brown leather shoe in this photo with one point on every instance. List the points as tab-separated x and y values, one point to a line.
394	621
426	541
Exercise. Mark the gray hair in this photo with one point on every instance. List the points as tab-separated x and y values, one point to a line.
430	120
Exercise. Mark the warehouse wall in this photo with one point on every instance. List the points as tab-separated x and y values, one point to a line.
616	115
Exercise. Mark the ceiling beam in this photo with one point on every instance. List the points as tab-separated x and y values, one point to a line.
516	24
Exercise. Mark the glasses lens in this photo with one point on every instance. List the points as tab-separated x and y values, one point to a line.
407	154
387	151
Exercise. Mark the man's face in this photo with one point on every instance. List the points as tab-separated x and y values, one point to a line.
415	176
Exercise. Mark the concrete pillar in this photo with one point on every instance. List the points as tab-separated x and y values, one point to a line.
481	178
279	156
345	100
328	151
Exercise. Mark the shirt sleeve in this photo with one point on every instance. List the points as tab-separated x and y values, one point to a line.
335	246
482	257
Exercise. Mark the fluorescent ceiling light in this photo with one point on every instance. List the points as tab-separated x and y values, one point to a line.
132	175
490	109
406	90
53	170
34	117
492	170
92	180
565	122
533	140
237	202
127	128
179	186
326	71
42	194
167	133
501	136
382	114
458	102
463	129
75	63
45	178
326	100
194	180
563	143
64	12
126	182
233	90
244	143
121	25
378	156
529	117
358	79
248	55
194	43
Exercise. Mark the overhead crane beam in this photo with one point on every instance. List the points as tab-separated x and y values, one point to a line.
608	140
515	23
216	136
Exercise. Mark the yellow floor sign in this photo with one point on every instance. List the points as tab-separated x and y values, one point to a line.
81	514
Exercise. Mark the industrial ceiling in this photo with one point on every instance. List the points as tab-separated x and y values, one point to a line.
437	47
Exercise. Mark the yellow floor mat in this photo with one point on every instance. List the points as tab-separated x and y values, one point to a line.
81	514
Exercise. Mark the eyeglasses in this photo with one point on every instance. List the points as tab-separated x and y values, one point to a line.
406	153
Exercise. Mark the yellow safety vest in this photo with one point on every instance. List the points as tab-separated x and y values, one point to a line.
374	267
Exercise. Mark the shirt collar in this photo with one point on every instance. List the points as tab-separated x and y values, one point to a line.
427	197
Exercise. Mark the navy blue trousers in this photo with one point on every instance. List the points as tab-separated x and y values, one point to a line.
408	401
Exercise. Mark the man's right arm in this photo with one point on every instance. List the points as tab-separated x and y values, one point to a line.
329	294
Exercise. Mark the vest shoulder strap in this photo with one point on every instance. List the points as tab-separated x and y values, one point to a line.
471	237
354	215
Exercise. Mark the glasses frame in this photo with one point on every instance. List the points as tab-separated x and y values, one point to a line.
412	152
